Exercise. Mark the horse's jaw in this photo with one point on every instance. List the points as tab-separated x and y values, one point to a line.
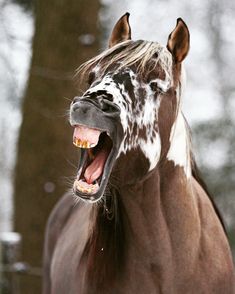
96	162
98	132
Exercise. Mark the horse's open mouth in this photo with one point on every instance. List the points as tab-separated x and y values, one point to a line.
96	156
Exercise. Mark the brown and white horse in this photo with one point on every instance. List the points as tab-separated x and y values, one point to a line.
145	222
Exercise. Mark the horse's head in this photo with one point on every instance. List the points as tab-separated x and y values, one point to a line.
124	119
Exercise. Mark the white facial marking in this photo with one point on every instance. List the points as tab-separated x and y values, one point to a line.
147	118
164	85
151	150
179	145
139	119
143	117
108	84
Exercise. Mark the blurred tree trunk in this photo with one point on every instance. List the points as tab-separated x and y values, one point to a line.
45	141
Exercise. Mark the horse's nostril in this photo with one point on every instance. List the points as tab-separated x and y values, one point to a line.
80	108
84	110
75	107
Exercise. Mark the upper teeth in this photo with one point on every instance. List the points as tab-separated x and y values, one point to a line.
82	144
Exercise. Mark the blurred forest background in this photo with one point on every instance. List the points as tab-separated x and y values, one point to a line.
43	42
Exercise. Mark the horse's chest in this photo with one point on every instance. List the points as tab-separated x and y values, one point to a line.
68	270
65	276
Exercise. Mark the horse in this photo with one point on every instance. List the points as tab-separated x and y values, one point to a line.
143	221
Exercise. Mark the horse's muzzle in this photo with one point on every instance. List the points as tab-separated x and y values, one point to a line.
93	117
89	105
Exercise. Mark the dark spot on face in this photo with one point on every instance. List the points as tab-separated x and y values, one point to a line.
155	55
123	78
91	77
148	126
141	96
101	92
143	133
156	124
98	95
135	129
137	112
154	87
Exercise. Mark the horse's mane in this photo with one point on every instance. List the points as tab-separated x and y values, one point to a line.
128	53
193	165
198	177
106	247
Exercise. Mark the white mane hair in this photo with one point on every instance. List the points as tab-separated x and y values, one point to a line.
129	53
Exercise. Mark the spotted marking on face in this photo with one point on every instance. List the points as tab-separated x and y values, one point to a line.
139	105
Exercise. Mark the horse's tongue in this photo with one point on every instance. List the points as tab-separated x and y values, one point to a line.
95	169
86	134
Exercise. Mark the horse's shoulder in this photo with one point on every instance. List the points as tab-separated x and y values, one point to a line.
203	201
55	224
61	212
207	207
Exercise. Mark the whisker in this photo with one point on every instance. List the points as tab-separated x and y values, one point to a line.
72	164
68	99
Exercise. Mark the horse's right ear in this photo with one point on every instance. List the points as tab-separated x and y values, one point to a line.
178	41
121	31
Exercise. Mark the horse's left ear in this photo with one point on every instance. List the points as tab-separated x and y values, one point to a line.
121	31
178	41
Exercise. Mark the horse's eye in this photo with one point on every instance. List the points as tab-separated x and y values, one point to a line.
91	78
155	87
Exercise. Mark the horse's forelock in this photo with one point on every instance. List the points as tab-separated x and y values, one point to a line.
128	53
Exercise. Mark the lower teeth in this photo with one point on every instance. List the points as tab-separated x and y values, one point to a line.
84	187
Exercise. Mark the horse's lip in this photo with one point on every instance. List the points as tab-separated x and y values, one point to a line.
85	197
92	127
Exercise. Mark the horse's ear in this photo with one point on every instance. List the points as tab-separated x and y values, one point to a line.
178	41
121	31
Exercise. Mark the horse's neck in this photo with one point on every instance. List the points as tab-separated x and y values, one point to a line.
156	228
162	212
